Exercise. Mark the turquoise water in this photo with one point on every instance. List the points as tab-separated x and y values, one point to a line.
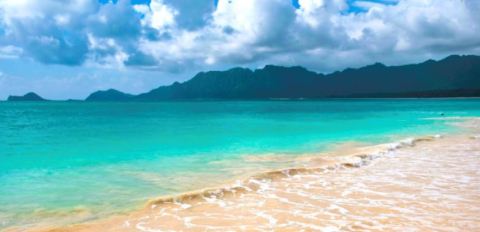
78	161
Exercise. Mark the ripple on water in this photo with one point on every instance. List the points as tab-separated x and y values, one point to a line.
427	184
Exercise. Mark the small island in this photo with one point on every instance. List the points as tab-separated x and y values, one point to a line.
31	96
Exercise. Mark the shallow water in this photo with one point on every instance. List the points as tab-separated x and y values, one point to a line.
74	162
429	183
431	187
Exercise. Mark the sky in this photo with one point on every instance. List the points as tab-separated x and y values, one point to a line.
67	49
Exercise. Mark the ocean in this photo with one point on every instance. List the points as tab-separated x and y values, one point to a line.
66	162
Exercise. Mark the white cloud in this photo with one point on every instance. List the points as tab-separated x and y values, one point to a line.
157	15
62	20
240	32
319	34
161	15
10	52
109	54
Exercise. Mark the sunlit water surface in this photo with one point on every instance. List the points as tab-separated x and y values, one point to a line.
75	161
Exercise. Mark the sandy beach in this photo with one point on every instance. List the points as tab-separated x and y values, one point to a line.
424	184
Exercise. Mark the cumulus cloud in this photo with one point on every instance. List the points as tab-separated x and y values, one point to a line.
10	52
174	35
159	16
46	30
323	35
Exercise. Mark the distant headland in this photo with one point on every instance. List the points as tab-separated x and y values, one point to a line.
454	76
27	97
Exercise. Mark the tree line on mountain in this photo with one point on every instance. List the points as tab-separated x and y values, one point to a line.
454	76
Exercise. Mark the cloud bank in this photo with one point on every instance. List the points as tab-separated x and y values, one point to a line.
176	36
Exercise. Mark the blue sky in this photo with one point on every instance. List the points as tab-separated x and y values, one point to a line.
68	49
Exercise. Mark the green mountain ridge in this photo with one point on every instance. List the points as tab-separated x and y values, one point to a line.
454	76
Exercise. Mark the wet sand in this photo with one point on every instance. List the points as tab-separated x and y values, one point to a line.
427	184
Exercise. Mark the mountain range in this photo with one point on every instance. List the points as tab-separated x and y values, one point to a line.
454	76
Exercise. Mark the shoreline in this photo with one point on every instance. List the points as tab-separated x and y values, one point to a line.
248	99
356	158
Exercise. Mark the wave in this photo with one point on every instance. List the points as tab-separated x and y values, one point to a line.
358	158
